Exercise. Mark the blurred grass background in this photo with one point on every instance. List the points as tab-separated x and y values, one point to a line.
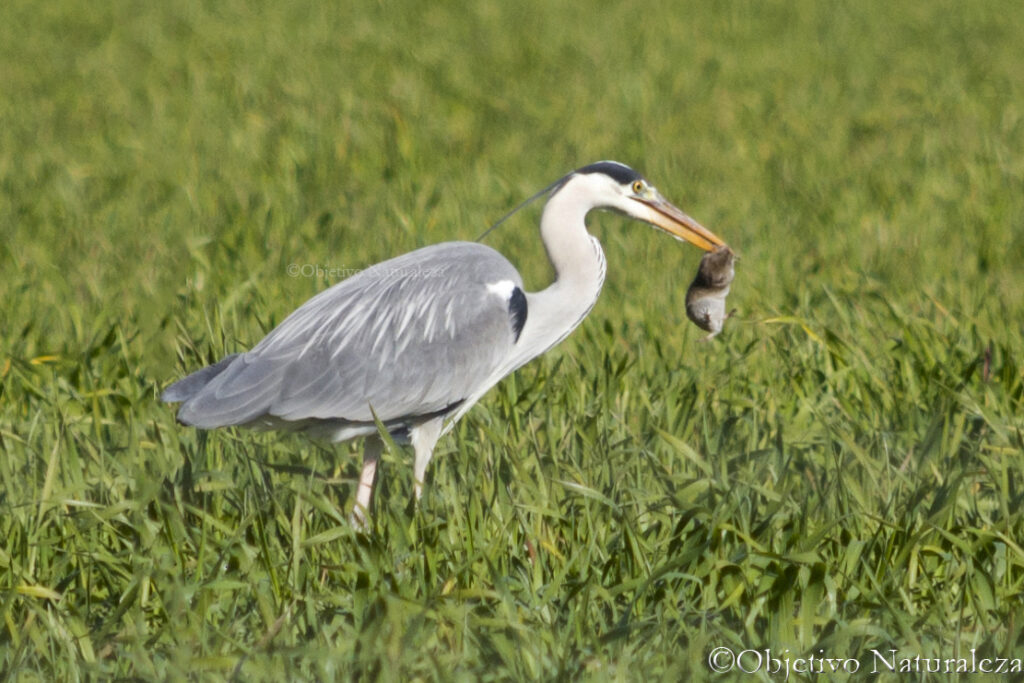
840	470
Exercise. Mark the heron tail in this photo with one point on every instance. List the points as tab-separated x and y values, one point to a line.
186	388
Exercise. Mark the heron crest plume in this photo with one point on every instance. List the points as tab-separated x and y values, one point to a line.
621	172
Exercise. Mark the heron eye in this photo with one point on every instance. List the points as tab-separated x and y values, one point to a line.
638	187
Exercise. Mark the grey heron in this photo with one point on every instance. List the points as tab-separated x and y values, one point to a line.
413	342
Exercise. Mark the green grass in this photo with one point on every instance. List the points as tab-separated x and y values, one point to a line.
841	470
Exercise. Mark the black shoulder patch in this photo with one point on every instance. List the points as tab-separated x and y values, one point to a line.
620	173
517	311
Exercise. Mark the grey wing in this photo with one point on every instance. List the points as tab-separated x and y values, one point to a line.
413	336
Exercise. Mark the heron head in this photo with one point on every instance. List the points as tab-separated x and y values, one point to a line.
619	188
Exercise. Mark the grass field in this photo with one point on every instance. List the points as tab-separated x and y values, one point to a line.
841	471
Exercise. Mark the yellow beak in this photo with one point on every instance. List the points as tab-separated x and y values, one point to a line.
665	216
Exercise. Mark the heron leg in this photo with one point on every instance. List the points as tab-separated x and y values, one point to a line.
424	437
364	492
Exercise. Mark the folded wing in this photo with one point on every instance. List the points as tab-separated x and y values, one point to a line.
409	337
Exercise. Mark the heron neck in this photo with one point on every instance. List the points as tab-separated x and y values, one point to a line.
575	255
579	266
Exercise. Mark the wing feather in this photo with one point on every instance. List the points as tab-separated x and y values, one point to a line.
410	336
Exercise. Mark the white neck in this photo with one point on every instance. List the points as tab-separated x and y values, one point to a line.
579	264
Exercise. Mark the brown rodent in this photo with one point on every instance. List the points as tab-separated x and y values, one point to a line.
705	299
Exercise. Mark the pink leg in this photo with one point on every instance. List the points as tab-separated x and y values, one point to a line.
423	438
364	493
